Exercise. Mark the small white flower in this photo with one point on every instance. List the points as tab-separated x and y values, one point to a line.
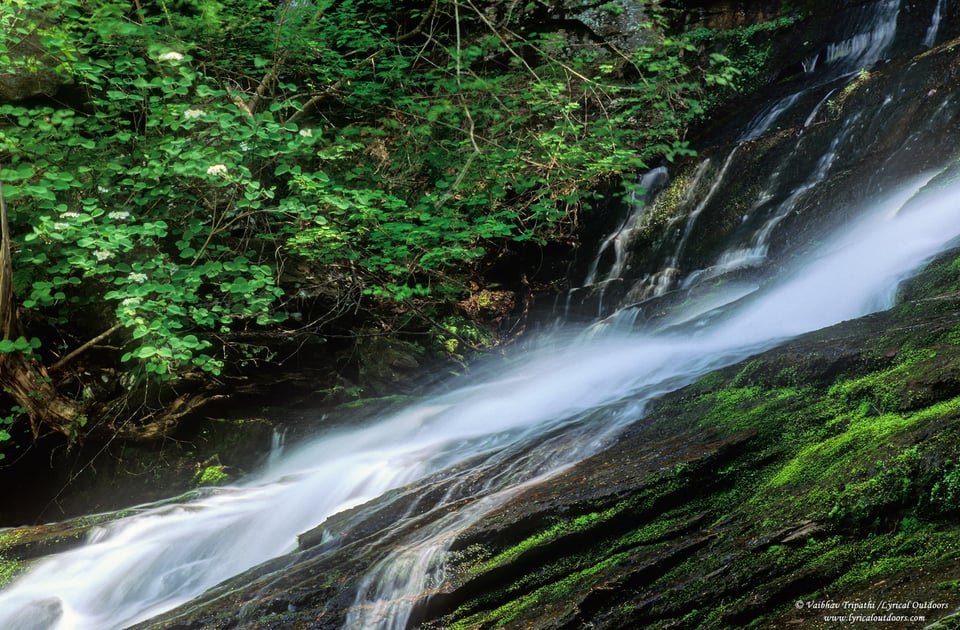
102	254
219	170
70	215
190	114
119	215
244	147
170	56
139	278
59	227
306	133
130	301
102	190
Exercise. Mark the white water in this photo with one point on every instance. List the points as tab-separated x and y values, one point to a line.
869	45
664	280
619	240
759	247
167	554
931	36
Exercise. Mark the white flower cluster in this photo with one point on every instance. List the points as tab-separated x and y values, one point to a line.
139	278
217	170
70	215
102	255
119	215
306	133
129	306
191	114
170	56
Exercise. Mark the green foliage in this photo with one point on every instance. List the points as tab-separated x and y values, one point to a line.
5	423
748	48
945	492
207	143
455	329
20	344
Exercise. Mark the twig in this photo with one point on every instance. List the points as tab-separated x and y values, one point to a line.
83	348
7	315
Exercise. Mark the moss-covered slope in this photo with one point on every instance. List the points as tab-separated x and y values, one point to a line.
825	472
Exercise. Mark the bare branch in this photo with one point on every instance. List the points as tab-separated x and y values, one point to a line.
7	308
83	348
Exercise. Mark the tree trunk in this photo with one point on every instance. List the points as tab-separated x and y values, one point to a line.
22	379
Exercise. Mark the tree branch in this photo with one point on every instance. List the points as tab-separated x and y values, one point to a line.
7	312
83	348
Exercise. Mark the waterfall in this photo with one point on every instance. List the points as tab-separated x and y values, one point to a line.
278	441
931	36
520	419
618	242
756	251
870	43
527	420
854	274
653	182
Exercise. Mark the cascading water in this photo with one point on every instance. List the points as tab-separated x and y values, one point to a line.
755	252
528	422
851	276
665	279
868	39
487	441
871	42
930	38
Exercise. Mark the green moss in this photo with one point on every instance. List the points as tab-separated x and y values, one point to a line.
667	203
9	569
883	557
579	582
10	537
214	475
838	453
558	580
870	457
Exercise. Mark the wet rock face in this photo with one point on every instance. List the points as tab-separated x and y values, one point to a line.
383	362
727	14
20	86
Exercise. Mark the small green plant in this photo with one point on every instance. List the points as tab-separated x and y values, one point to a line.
945	492
213	475
6	422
